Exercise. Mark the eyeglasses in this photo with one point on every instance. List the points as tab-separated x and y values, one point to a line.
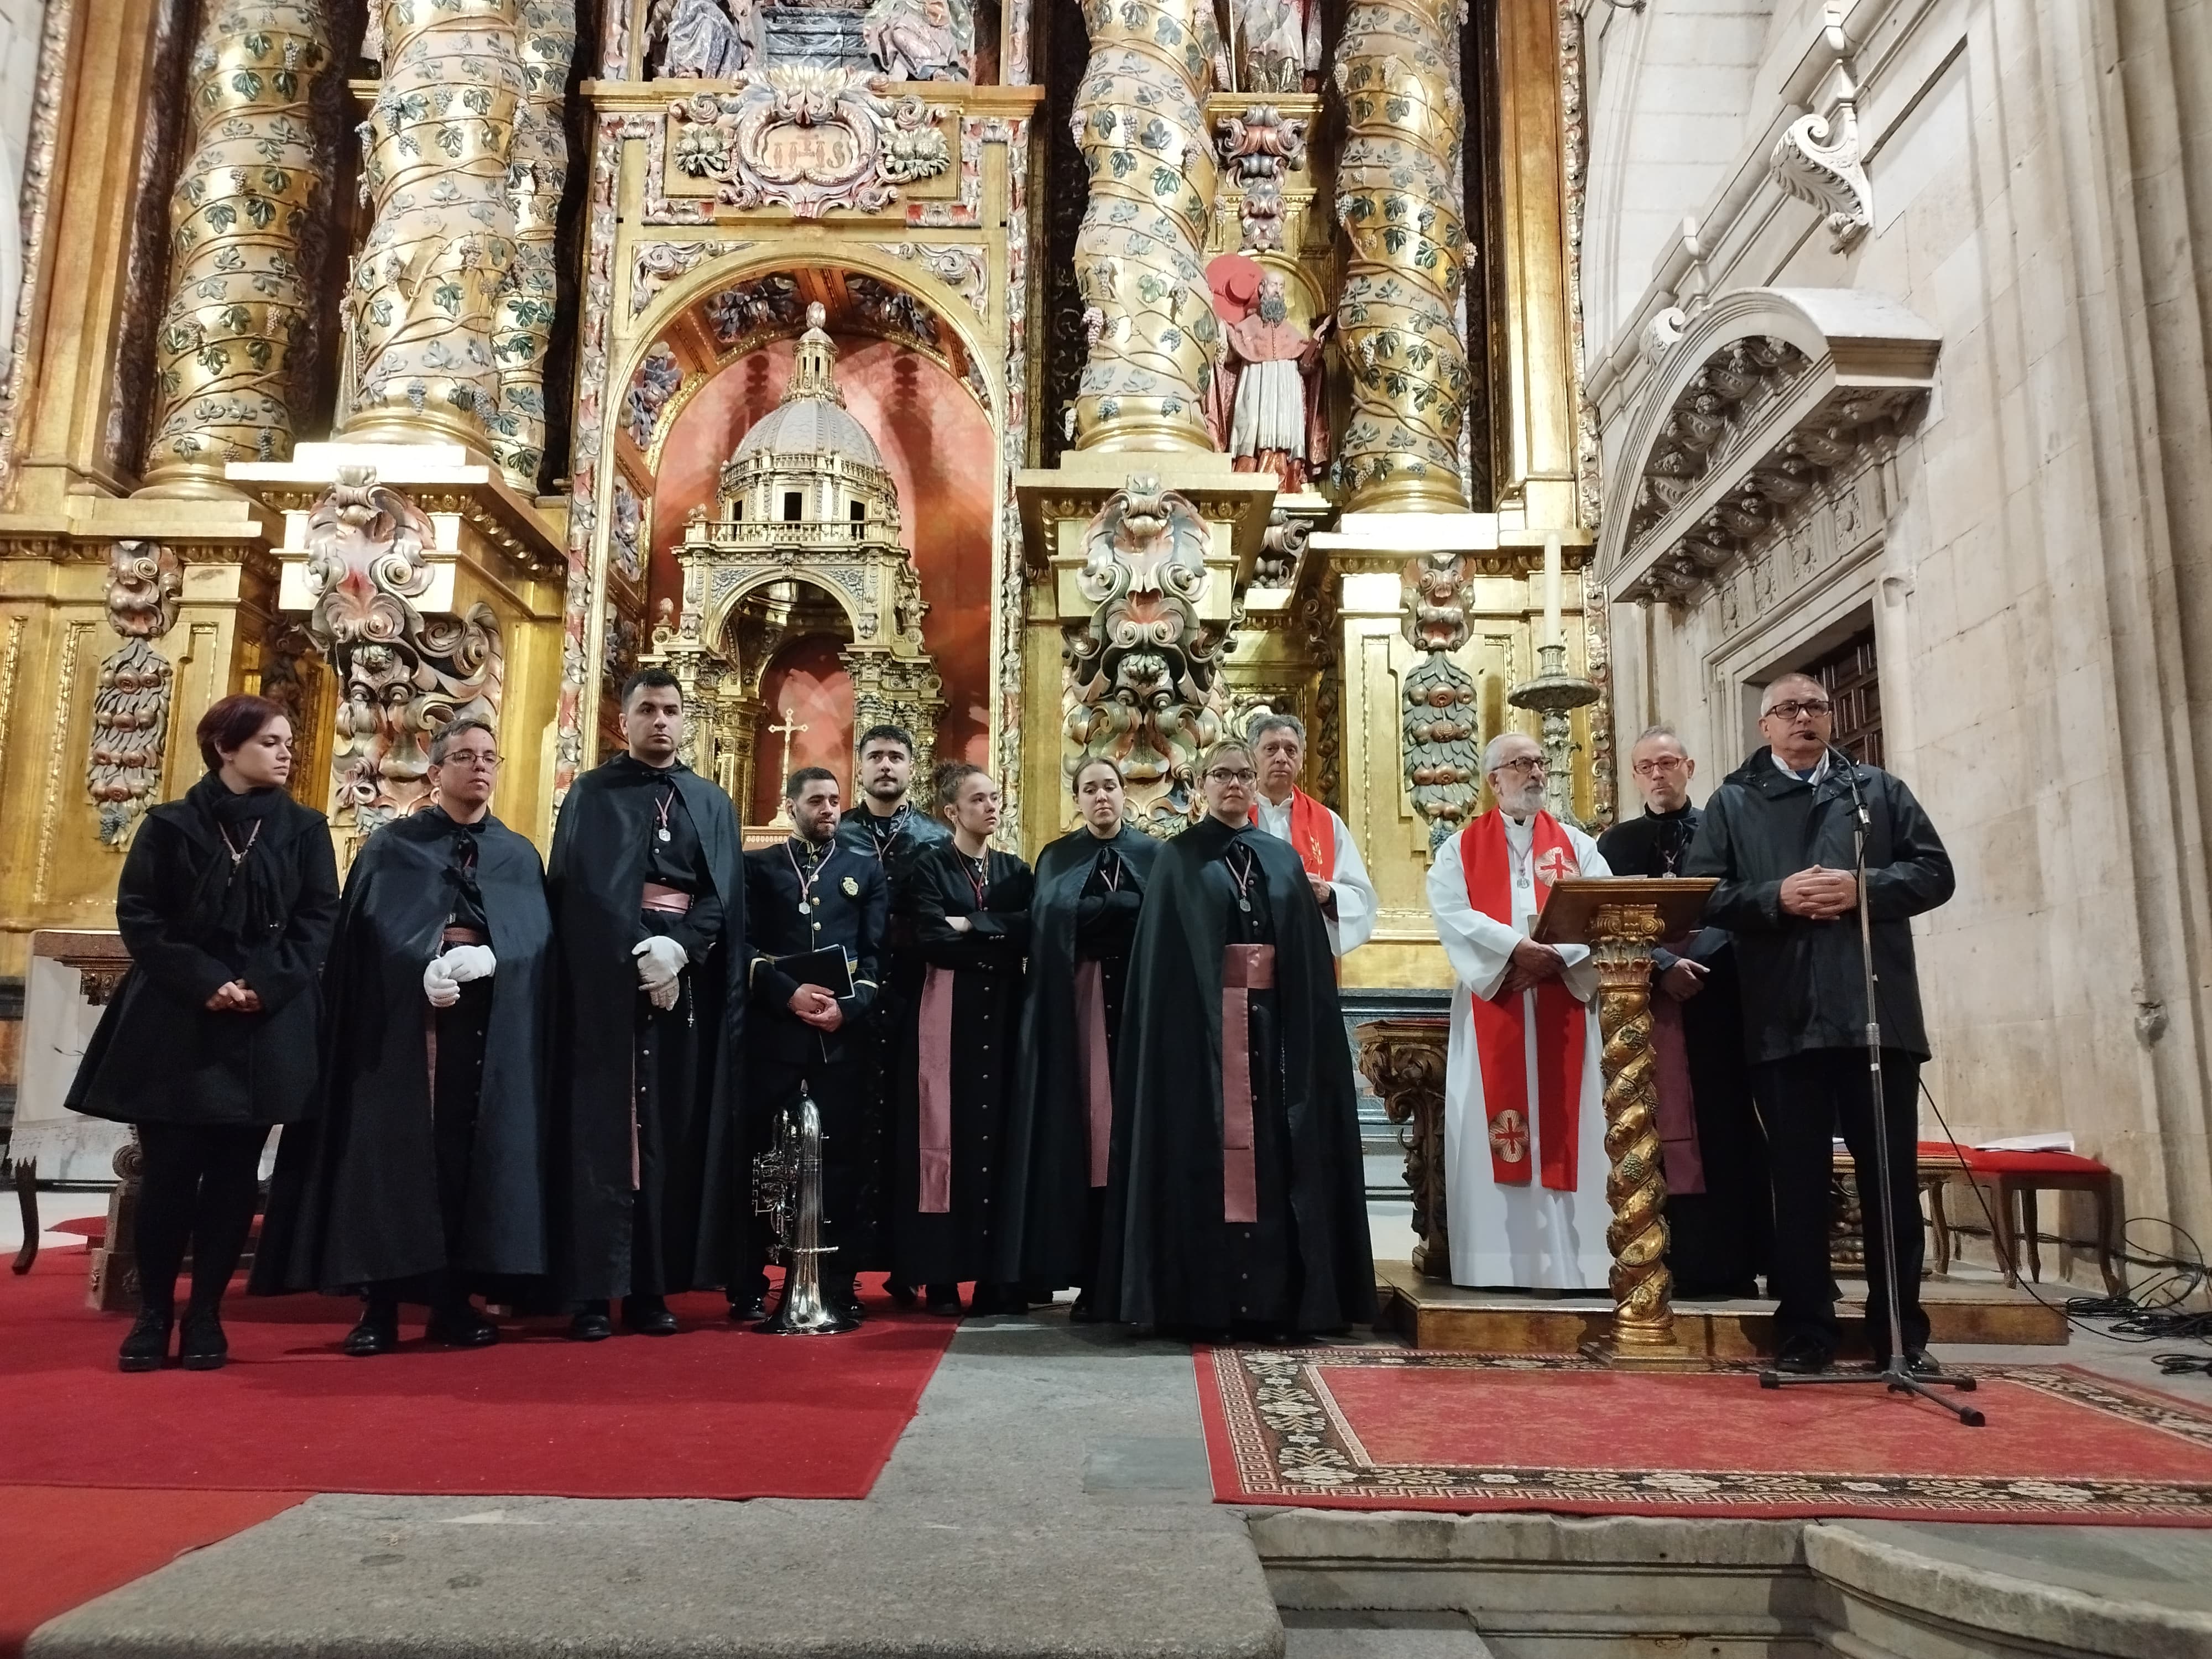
1658	763
1222	774
1527	764
482	757
1815	706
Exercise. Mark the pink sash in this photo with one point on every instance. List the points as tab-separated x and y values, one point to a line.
1680	1159
935	1081
1091	1062
1244	968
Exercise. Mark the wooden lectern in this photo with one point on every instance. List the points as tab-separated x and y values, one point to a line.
1621	919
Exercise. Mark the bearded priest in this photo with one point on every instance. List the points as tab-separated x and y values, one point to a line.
1335	869
1524	1123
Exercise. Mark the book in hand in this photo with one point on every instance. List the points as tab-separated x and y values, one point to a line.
827	968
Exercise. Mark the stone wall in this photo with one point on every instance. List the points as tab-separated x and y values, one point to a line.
2031	550
20	22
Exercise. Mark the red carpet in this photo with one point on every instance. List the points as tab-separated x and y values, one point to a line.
715	1412
62	1546
1388	1429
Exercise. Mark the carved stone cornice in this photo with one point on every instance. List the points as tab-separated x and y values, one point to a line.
1768	395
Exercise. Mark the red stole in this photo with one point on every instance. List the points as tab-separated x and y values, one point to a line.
1500	1024
1313	834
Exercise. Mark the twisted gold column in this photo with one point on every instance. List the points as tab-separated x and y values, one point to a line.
525	319
1621	941
427	282
1397	71
222	368
1140	121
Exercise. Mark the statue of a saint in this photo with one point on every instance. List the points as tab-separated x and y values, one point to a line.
1270	45
1264	404
922	40
700	41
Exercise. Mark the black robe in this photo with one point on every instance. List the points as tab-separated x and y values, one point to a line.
892	845
687	1149
1049	1214
355	1199
986	963
1169	1259
1718	1238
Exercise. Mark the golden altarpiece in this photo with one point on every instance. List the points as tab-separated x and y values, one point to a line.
1051	378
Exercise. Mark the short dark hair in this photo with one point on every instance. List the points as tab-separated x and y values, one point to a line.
944	782
795	786
658	679
442	744
1075	780
897	734
229	725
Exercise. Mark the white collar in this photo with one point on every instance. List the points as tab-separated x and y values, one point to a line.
1819	771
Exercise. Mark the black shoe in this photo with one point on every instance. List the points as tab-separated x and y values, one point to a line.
1918	1362
943	1299
147	1347
377	1333
203	1346
590	1324
750	1313
900	1293
1082	1313
844	1295
1803	1356
647	1316
461	1326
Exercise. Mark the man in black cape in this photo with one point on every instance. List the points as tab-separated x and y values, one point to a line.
810	893
1719	1215
887	826
648	900
1089	889
1233	1210
423	1176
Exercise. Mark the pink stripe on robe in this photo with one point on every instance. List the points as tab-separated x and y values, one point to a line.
1244	968
1091	1063
935	1080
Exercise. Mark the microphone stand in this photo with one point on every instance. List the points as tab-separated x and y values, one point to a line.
1894	1374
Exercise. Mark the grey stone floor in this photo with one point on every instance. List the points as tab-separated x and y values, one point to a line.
1051	1497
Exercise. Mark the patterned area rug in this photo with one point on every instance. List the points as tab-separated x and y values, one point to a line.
1391	1429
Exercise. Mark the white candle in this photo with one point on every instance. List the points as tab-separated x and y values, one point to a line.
1551	579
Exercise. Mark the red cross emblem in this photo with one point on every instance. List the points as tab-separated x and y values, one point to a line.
1509	1136
1554	864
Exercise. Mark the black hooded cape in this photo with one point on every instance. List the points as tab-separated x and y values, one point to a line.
1166	1249
1043	1205
355	1197
596	882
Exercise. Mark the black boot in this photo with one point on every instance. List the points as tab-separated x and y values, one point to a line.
378	1331
202	1347
648	1315
147	1347
591	1323
459	1325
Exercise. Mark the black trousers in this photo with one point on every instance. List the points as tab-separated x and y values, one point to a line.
840	1092
456	1090
200	1189
1807	1100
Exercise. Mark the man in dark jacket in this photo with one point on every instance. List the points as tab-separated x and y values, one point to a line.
1778	835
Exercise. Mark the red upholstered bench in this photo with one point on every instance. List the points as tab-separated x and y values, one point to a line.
2004	1177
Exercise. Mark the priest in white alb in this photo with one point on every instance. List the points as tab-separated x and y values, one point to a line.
1334	867
1525	1120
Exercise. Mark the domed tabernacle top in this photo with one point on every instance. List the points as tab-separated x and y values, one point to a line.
811	420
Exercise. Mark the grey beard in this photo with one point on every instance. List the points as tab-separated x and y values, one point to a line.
1274	309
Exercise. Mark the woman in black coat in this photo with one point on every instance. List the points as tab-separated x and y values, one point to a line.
1090	886
970	904
225	904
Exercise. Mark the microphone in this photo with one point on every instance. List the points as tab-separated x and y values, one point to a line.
1842	758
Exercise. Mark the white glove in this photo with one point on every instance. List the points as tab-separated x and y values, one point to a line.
466	961
438	984
660	960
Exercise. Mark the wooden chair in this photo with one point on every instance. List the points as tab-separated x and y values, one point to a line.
2010	1182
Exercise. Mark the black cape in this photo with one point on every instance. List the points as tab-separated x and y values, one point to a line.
1047	1186
596	881
1164	1238
1717	1239
355	1197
